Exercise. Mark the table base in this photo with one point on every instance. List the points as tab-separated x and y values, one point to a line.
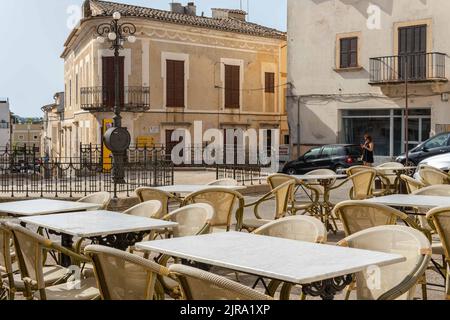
327	289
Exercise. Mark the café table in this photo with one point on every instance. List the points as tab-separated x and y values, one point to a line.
191	188
416	201
40	207
112	229
326	181
398	172
322	270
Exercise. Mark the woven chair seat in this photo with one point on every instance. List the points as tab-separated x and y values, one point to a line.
87	291
52	274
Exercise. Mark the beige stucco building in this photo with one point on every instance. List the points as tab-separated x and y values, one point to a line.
26	134
347	68
223	71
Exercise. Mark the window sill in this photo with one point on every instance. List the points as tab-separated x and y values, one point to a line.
351	69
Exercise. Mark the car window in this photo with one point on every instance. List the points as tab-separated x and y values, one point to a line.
437	142
353	151
312	154
328	152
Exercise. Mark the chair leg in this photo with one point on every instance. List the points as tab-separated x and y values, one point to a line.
423	283
351	287
447	283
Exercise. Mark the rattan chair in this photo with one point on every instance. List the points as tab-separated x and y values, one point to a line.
411	183
30	250
432	177
440	218
389	176
101	198
148	209
124	276
8	276
224	182
224	201
357	216
201	285
301	228
295	206
282	196
320	172
147	194
397	281
193	220
362	181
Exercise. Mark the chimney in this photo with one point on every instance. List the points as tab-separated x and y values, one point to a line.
237	14
189	9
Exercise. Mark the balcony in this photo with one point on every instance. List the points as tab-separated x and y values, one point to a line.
102	99
419	68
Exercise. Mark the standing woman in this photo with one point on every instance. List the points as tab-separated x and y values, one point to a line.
368	151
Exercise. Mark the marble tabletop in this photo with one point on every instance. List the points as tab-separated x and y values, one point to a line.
275	258
43	207
401	200
320	177
96	223
188	188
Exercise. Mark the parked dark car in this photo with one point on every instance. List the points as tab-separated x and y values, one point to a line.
437	145
333	157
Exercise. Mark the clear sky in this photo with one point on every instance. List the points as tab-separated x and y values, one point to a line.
33	32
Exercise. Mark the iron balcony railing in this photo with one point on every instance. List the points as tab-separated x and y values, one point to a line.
99	99
419	67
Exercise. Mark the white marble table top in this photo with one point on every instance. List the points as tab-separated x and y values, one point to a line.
96	223
188	188
275	258
43	207
400	200
320	177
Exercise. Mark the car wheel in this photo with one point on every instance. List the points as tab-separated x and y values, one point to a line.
291	171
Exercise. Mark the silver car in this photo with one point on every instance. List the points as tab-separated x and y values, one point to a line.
441	162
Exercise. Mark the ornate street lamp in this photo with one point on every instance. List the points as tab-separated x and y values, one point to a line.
117	138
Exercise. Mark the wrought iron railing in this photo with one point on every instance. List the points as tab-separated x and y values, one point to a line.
413	67
133	99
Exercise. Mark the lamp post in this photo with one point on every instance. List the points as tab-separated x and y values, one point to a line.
117	138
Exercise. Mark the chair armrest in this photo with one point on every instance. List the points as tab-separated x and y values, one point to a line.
79	257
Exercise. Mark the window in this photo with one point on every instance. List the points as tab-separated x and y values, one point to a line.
175	84
312	154
437	142
70	92
76	89
270	82
287	139
21	137
328	152
232	86
349	53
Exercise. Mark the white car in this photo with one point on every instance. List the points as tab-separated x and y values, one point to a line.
441	162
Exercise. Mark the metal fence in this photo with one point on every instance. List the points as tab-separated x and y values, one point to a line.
27	175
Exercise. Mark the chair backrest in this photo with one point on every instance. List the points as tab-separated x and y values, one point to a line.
302	228
360	215
396	281
390	174
440	219
224	182
148	209
412	184
276	180
194	219
363	179
5	251
222	200
434	177
101	198
146	194
124	276
283	195
201	285
442	190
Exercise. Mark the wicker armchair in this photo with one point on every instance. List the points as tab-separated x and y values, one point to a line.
301	228
124	276
201	285
224	182
282	195
224	202
411	183
193	220
30	249
148	209
440	218
310	205
397	281
8	276
389	176
432	177
147	194
101	198
362	181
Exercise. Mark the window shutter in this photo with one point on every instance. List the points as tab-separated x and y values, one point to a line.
175	84
232	86
270	82
349	52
